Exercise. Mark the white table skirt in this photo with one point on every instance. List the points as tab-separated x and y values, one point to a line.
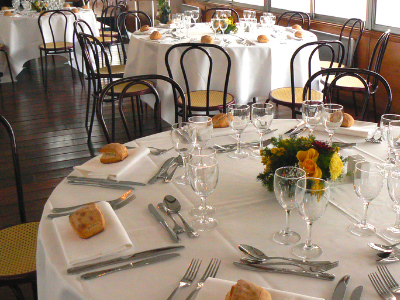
256	70
22	37
247	213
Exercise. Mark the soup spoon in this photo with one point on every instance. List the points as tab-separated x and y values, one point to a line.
383	248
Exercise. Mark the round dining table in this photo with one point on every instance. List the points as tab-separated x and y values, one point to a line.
247	214
256	69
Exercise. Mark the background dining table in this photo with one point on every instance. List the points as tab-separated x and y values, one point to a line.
247	213
256	69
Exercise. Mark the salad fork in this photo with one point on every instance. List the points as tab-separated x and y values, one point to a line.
388	279
189	276
380	288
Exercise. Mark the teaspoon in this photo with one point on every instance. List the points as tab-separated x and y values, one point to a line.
383	248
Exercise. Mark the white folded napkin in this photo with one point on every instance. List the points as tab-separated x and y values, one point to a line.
217	289
112	241
148	32
359	129
95	168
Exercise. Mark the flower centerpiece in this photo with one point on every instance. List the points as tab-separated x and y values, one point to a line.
39	6
316	158
163	11
231	26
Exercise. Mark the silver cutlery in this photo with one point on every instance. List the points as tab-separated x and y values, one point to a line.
297	132
188	277
389	280
174	237
111	202
383	248
388	257
122	259
178	163
102	185
157	151
356	294
173	205
141	263
107	181
340	290
324	276
302	123
115	206
343	145
380	288
163	168
177	228
246	42
374	137
211	271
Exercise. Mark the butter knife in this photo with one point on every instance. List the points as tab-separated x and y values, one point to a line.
174	237
139	255
107	181
103	185
164	167
144	262
302	123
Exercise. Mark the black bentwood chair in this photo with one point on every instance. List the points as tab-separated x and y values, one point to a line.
292	96
3	49
129	83
368	79
18	243
214	9
294	16
200	100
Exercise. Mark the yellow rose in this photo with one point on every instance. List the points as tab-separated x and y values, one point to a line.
308	161
335	166
304	155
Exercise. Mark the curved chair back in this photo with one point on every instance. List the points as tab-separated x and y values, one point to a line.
17	169
366	79
129	82
203	48
109	19
356	29
376	59
99	5
80	26
288	16
214	9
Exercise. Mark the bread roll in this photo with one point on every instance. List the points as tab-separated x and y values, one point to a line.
87	221
170	22
144	28
299	34
67	5
155	35
113	153
244	290
4	8
7	13
297	27
336	116
348	120
262	38
75	10
206	39
85	7
220	121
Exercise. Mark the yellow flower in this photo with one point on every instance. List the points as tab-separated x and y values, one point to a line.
308	161
335	166
278	151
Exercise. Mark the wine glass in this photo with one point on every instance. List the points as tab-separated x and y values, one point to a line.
183	137
204	130
368	182
187	21
262	115
384	126
312	112
195	15
246	14
393	138
215	24
312	198
203	174
332	118
15	4
238	118
393	184
285	181
223	23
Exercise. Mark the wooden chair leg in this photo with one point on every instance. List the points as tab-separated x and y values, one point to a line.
92	117
17	292
355	103
140	116
9	66
72	68
88	104
34	290
374	102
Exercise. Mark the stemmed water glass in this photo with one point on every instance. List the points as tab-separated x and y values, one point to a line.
215	24
195	15
16	4
187	21
238	118
203	174
368	182
262	115
183	137
332	118
223	24
393	184
384	126
312	198
285	181
393	138
204	130
311	112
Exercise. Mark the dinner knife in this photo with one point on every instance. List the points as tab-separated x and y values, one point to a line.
324	276
141	263
103	185
89	179
164	167
302	123
356	294
174	237
340	290
139	255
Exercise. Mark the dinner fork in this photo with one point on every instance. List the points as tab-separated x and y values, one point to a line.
372	139
389	280
211	271
189	276
380	288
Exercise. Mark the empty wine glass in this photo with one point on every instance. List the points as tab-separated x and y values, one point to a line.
368	182
187	21
204	130
393	137
332	118
238	118
223	23
262	115
215	25
393	184
384	126
203	174
312	198
312	112
195	15
15	4
285	181
183	137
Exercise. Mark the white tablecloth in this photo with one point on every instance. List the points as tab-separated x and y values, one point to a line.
247	213
22	37
256	70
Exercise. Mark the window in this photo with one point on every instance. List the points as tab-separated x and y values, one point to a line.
353	8
387	13
252	2
295	5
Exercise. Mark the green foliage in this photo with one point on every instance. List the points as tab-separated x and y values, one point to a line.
164	10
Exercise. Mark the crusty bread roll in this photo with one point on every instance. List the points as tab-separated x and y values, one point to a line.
262	38
297	27
206	39
299	34
7	13
144	28
85	7
75	10
87	221
220	121
112	153
4	8
170	22
244	290
348	120
336	116
155	35
67	5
